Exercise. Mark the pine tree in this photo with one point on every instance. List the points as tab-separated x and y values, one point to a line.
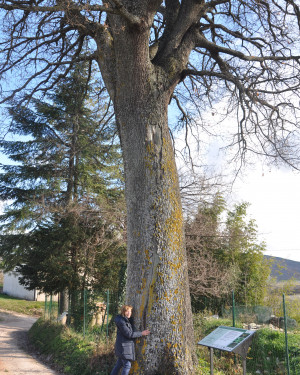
66	210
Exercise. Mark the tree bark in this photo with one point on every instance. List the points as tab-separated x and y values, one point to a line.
63	301
157	284
157	280
141	89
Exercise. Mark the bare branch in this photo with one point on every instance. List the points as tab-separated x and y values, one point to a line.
247	53
202	42
120	9
70	6
61	7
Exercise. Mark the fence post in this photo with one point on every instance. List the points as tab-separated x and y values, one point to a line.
233	310
45	306
107	309
50	307
233	317
286	337
69	309
58	304
84	311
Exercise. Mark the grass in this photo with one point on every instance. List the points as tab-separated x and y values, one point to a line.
72	353
78	356
93	355
267	353
21	306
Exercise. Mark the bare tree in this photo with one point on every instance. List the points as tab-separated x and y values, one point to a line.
204	239
207	276
242	51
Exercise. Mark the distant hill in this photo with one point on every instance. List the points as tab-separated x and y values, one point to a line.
284	269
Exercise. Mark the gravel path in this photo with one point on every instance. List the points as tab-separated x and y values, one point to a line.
14	358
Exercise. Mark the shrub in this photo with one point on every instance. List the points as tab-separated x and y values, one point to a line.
70	351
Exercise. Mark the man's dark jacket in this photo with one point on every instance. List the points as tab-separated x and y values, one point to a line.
124	347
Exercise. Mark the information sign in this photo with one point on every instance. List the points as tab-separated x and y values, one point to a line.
230	339
227	338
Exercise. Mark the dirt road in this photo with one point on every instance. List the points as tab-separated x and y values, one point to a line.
14	360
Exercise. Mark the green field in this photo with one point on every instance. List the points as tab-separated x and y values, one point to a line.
21	306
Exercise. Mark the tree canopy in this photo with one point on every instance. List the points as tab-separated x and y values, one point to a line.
246	52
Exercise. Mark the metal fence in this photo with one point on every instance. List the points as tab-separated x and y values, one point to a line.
89	313
276	345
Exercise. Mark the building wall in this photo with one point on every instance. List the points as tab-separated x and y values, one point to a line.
12	288
1	281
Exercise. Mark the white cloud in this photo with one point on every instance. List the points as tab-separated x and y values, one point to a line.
274	195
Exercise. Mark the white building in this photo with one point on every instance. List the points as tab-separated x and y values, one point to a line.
12	287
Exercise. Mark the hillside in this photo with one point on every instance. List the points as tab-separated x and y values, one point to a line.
284	269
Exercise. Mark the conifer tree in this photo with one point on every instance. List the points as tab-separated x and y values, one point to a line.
65	189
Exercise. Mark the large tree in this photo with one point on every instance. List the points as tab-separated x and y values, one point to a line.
246	51
64	190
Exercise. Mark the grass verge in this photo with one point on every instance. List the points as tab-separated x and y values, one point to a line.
267	354
72	353
21	306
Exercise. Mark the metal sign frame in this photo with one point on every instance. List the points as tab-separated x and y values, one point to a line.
229	339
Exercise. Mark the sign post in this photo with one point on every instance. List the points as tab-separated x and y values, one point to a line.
229	339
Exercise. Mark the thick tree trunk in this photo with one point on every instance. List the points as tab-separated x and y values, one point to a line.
157	280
